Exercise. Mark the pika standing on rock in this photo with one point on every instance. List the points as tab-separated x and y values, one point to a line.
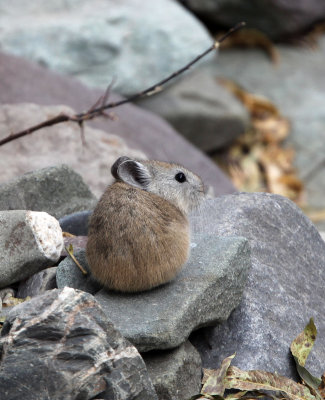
139	235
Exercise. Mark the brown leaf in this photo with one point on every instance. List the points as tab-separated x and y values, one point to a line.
214	379
261	380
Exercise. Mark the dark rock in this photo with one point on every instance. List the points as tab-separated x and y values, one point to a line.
69	274
38	283
175	374
21	81
29	242
277	18
201	110
76	223
205	292
61	346
57	190
285	285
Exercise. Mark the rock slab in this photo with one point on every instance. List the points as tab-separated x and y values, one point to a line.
175	374
61	346
201	110
29	242
55	190
205	292
138	42
285	285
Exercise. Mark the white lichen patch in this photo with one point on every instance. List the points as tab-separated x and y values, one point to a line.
47	233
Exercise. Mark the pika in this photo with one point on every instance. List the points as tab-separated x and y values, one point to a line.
139	235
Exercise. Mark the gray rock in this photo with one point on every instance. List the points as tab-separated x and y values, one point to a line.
56	190
297	88
29	242
22	81
61	346
201	110
276	18
205	292
175	374
38	283
66	147
68	274
285	285
138	42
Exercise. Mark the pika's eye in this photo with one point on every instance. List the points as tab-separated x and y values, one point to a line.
180	177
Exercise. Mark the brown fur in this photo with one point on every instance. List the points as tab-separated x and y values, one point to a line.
137	240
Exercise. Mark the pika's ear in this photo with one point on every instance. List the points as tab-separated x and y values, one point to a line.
132	172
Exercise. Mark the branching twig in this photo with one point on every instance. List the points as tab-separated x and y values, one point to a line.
99	107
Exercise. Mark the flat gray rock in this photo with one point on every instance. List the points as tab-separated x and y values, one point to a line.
205	292
61	346
201	109
29	242
175	374
285	285
57	190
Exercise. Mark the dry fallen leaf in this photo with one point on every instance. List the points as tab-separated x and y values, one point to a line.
258	160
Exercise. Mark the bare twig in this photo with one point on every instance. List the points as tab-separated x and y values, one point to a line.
99	107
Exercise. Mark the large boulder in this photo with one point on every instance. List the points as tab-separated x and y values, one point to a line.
205	292
285	285
22	81
279	19
201	109
61	346
137	42
29	242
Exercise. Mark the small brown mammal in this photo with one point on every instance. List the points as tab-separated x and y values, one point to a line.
139	233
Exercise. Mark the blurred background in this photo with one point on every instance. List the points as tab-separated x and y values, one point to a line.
256	108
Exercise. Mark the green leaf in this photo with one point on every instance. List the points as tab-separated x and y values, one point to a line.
214	379
304	342
261	380
310	380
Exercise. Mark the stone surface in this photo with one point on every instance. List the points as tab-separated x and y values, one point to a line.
22	81
75	223
61	346
29	242
68	274
205	292
297	88
201	110
138	42
59	144
285	285
277	18
38	283
55	190
175	374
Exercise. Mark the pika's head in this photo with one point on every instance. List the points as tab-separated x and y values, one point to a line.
170	181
